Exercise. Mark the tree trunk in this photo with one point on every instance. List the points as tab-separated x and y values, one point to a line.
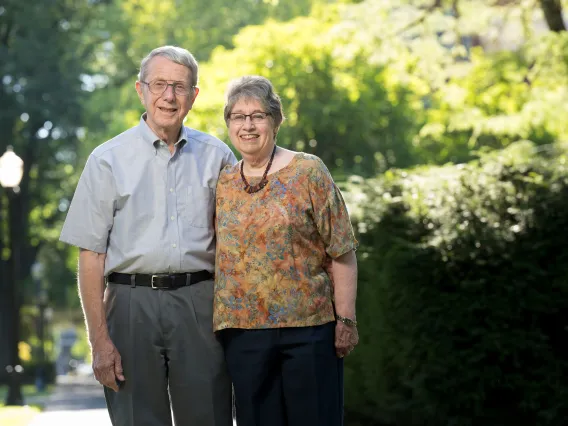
552	10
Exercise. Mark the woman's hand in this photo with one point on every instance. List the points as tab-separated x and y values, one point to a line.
346	338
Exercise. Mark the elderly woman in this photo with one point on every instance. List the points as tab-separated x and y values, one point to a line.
284	324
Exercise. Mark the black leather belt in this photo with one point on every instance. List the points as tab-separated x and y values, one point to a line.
159	281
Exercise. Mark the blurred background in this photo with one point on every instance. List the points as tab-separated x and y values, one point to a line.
443	121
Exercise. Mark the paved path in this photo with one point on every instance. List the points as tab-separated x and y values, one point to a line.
75	401
96	417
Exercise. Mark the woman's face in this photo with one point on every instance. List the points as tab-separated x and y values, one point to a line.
255	135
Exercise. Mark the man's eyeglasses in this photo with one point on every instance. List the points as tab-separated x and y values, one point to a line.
256	118
158	87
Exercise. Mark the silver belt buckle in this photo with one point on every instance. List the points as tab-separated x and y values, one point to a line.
153	286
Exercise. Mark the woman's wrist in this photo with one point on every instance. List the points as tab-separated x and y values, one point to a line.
350	321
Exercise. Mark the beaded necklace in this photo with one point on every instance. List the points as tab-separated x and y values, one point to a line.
251	189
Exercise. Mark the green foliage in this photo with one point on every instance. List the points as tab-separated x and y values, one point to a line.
479	75
505	97
42	68
463	293
130	29
45	50
337	105
367	85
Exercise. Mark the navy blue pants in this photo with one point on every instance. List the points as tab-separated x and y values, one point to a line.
285	376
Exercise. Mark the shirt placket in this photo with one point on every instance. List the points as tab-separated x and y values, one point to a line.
173	188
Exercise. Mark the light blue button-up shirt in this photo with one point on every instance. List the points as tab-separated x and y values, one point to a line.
149	210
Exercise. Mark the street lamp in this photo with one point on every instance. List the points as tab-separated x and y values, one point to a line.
41	294
11	169
11	173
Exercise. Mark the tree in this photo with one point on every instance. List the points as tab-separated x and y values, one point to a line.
134	27
40	114
479	87
338	105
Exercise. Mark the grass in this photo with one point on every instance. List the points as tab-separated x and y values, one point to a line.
21	416
17	416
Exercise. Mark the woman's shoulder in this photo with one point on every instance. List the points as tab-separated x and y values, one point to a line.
311	163
228	172
230	169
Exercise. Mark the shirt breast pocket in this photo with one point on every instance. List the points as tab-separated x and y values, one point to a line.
199	206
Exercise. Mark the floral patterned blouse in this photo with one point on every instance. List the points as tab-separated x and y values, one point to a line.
272	246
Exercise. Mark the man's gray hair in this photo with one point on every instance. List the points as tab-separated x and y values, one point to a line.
175	54
254	87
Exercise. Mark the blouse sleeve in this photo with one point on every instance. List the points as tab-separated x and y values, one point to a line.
330	212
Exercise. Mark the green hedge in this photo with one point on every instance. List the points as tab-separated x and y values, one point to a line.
463	299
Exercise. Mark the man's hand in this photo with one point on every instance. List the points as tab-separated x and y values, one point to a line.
346	338
107	364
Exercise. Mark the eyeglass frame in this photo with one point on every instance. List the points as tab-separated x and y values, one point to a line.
250	117
174	85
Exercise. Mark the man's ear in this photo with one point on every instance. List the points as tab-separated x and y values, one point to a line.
138	86
195	93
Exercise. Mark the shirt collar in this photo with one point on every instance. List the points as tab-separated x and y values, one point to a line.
149	136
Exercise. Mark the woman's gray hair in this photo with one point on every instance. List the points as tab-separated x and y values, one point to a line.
254	87
175	54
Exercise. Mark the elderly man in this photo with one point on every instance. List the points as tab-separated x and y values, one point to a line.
142	216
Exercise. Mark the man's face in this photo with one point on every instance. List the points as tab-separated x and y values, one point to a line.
166	111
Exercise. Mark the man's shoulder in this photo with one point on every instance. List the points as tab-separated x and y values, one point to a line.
205	139
109	147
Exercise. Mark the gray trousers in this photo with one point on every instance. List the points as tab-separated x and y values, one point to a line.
172	360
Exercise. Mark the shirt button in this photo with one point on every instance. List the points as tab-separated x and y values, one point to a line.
172	217
174	245
171	190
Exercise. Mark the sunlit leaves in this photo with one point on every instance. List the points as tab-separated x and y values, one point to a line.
339	106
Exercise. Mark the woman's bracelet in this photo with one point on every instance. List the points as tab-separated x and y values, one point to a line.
347	321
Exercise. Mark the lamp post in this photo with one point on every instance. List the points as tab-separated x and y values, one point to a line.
41	295
11	173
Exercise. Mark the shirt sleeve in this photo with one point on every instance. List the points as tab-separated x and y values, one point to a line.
330	212
90	216
229	159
